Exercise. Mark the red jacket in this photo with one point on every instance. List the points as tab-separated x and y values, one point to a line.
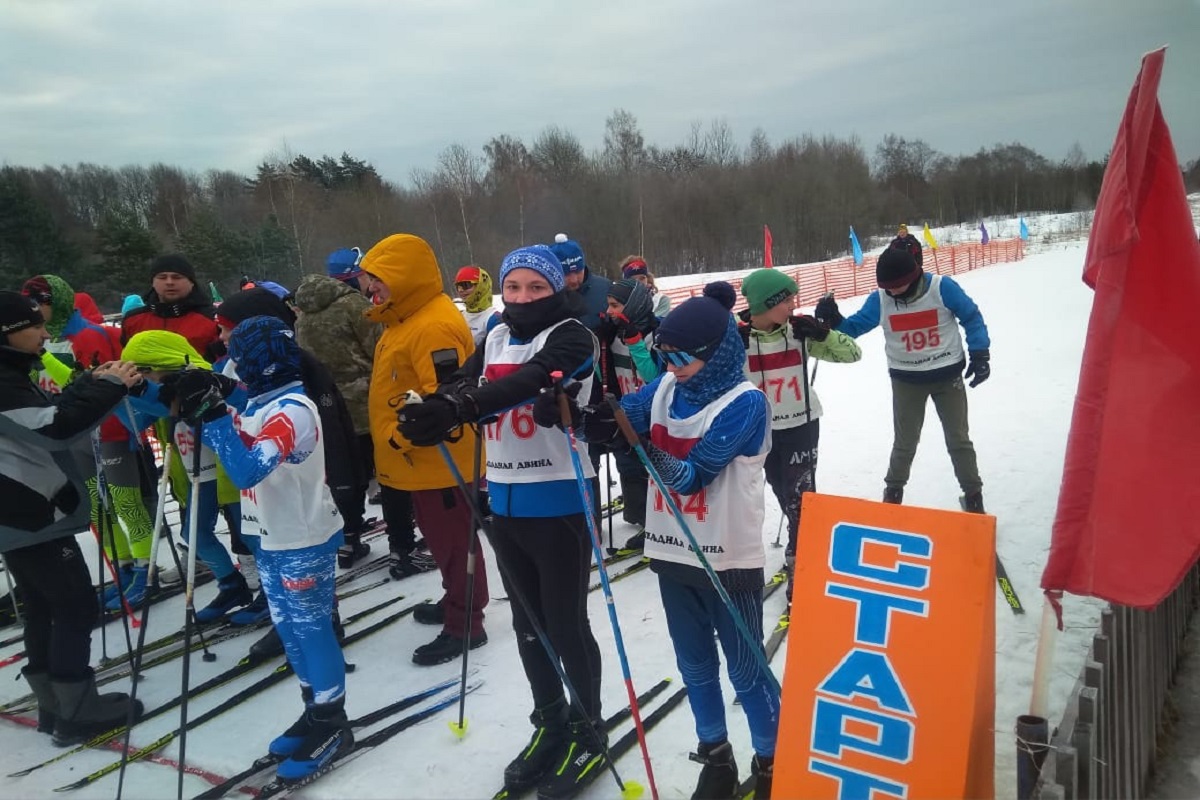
192	318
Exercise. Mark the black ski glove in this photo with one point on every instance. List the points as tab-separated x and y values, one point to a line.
199	394
433	420
806	327
600	426
545	406
979	366
827	312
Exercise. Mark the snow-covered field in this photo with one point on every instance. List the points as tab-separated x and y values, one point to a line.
1036	311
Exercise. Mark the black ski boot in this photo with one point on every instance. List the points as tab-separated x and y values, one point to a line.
580	762
290	740
329	736
763	770
446	647
354	549
233	593
47	702
549	736
972	503
430	613
893	494
414	562
269	646
719	778
83	713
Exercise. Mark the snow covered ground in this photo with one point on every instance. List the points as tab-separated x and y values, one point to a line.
1036	311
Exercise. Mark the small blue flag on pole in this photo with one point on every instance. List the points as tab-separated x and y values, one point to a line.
855	248
1024	230
983	232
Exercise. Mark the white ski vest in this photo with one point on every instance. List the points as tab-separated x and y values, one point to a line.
66	353
518	449
775	364
477	321
921	335
628	378
185	443
726	517
291	508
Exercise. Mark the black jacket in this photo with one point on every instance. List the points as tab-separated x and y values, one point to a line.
344	468
35	478
909	243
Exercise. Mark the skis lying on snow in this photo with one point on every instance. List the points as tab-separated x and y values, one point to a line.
241	668
255	774
278	788
615	506
611	723
621	554
1006	587
624	573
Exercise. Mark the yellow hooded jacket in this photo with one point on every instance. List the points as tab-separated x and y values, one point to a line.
418	322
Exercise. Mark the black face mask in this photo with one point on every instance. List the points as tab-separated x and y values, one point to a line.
527	320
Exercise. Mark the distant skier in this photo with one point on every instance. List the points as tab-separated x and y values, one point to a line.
907	242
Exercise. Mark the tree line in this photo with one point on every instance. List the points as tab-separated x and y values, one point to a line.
697	206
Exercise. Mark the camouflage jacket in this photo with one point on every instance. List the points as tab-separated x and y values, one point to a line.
331	326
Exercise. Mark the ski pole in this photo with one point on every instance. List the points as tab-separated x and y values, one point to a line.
460	728
755	645
106	517
779	532
564	409
629	790
608	480
189	599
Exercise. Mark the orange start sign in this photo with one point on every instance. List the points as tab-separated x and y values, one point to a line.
889	687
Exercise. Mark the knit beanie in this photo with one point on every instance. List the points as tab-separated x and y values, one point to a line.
766	288
634	296
896	269
173	262
569	253
132	303
699	323
635	266
18	312
256	302
343	264
539	258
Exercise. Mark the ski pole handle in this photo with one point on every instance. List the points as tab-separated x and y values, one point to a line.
564	402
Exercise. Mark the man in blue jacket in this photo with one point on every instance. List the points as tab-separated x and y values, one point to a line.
921	314
592	289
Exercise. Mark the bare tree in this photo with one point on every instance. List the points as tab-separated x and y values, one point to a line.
461	171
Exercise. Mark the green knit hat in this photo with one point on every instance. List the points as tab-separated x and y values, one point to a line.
766	288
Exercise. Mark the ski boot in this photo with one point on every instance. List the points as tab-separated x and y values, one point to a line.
763	770
549	737
580	762
290	740
972	503
446	647
136	589
83	713
328	738
233	593
253	614
893	494
719	777
125	573
354	549
405	565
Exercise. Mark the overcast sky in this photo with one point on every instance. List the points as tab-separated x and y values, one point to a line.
223	83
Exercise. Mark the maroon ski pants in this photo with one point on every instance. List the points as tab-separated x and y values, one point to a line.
445	521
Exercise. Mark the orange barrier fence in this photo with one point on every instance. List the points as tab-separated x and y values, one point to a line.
844	279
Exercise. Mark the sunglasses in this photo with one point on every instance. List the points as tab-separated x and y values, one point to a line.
464	285
677	358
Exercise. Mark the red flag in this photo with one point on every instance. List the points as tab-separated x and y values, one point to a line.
768	260
1127	527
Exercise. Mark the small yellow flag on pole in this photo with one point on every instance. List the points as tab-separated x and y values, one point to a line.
927	235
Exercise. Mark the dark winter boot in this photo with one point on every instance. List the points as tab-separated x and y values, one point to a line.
579	763
719	778
445	647
430	613
404	565
549	736
232	593
893	494
763	770
973	503
269	646
47	703
290	740
83	713
329	736
256	612
354	549
637	541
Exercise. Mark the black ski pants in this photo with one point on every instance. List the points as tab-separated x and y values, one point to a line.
548	561
791	470
60	606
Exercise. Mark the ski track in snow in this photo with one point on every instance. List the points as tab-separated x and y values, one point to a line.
1036	311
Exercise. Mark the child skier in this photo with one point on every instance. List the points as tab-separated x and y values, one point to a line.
778	347
274	453
539	534
920	314
709	432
